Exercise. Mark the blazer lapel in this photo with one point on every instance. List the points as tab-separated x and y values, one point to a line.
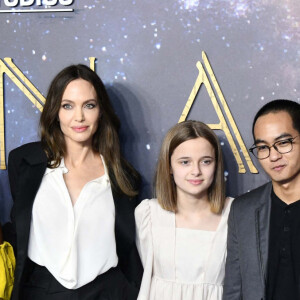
124	222
262	222
129	260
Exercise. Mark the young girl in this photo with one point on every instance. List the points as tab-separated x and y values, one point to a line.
181	235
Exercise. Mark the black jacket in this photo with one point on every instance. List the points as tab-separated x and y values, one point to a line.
26	167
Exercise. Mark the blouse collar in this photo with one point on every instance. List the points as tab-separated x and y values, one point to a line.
63	169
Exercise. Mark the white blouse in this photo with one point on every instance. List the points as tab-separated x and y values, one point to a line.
179	263
75	243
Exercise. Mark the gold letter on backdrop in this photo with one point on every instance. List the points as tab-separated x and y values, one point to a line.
222	125
12	71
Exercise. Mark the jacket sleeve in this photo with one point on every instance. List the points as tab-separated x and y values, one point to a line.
233	281
14	162
9	229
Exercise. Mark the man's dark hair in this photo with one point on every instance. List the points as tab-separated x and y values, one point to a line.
291	107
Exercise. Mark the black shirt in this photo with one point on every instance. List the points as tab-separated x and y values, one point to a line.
284	251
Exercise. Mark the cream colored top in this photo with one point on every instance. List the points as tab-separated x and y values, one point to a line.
179	263
75	243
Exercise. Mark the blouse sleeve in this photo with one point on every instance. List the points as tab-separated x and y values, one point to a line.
144	245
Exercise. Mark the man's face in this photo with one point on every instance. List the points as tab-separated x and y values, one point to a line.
271	128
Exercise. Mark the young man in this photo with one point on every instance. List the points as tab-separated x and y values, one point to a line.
263	259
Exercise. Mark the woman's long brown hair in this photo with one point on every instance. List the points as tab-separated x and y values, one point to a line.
105	140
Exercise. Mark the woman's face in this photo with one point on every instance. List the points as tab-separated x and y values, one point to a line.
193	166
79	112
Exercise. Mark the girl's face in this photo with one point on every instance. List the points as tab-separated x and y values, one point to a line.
79	112
193	167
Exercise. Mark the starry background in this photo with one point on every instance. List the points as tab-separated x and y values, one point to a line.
146	55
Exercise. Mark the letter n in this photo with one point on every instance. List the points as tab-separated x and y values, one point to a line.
22	82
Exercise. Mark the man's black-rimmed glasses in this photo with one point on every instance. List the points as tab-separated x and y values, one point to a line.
282	147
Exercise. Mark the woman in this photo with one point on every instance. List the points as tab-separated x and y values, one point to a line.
74	199
181	235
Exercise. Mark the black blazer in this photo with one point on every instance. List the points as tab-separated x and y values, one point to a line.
26	167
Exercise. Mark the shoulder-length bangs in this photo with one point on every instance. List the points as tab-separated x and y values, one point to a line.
105	139
165	188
